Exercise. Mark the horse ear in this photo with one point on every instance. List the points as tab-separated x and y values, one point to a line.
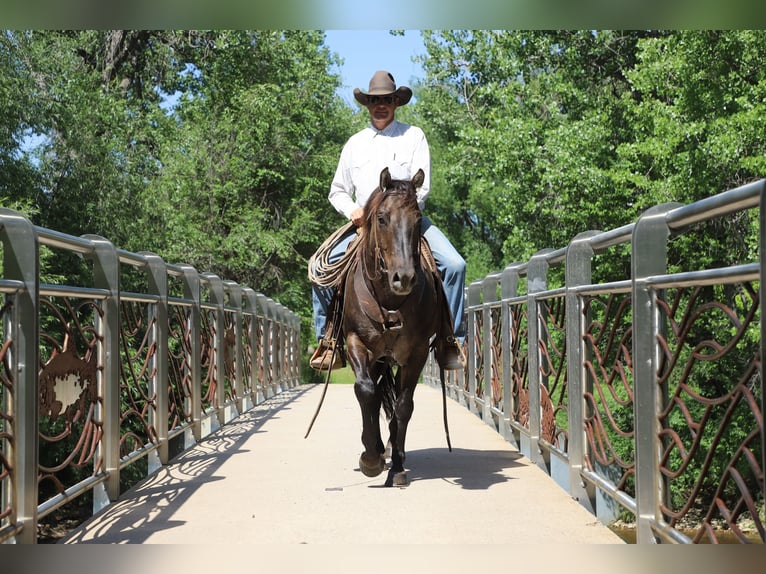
419	178
385	179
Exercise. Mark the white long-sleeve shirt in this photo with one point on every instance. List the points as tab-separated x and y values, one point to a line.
400	147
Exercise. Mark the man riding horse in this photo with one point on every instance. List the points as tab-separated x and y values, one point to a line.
403	149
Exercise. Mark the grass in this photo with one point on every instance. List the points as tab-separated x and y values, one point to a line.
344	376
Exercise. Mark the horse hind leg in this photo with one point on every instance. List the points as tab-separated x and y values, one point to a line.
397	476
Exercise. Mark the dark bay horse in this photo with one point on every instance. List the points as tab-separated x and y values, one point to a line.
390	314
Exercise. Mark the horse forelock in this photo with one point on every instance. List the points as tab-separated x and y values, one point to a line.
399	189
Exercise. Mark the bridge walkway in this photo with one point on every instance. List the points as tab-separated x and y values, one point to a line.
258	481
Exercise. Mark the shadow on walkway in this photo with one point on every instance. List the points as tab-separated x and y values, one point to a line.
478	469
148	507
258	481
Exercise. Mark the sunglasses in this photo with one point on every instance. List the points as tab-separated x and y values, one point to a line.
374	100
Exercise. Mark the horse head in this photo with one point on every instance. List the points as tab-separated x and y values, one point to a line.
392	222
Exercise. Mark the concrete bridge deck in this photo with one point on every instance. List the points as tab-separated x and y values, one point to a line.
257	480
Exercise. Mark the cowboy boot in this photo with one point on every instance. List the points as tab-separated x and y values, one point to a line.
447	349
324	358
449	355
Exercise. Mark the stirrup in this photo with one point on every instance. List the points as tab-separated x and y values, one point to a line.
449	355
320	360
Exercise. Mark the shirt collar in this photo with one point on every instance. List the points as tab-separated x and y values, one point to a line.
390	129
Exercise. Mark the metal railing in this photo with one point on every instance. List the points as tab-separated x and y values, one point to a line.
643	397
103	382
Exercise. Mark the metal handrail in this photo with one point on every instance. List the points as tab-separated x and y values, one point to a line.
90	322
654	341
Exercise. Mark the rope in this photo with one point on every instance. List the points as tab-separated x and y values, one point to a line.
444	407
321	271
324	392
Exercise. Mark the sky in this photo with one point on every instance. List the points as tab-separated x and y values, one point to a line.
366	51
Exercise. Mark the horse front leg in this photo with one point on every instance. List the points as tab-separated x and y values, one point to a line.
403	408
372	461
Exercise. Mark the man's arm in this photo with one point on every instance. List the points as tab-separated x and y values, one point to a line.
341	194
421	159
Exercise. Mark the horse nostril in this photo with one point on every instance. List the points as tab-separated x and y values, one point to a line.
402	283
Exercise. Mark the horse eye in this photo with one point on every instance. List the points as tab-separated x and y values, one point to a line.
381	219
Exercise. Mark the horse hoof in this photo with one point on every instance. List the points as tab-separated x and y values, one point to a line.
373	468
400	479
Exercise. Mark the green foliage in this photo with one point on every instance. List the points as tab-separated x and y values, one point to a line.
209	148
540	135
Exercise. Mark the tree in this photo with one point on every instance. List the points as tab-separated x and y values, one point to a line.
539	135
95	116
17	173
528	123
245	173
213	148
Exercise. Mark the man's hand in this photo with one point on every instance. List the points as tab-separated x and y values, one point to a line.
357	216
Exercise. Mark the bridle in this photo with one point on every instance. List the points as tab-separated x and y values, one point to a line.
389	319
380	263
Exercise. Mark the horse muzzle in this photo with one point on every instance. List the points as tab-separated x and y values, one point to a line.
400	282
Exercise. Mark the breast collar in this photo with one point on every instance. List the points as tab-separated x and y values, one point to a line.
388	319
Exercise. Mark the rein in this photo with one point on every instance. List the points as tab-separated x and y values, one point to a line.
378	255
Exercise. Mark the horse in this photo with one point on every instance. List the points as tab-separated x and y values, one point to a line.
390	314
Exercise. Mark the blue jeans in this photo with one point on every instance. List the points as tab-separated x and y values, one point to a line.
450	263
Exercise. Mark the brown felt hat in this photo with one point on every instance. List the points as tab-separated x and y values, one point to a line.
383	84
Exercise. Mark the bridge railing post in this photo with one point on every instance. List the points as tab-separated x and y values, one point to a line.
474	309
215	292
251	310
648	257
264	362
489	299
509	283
762	294
577	272
106	275
279	345
235	354
157	276
273	345
537	281
295	348
21	327
192	294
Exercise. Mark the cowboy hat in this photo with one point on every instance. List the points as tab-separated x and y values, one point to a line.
383	84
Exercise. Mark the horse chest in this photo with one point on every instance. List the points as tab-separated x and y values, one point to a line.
389	332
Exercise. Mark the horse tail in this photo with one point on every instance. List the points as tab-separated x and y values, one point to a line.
387	388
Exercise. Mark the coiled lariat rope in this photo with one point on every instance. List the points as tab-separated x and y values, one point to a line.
326	274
